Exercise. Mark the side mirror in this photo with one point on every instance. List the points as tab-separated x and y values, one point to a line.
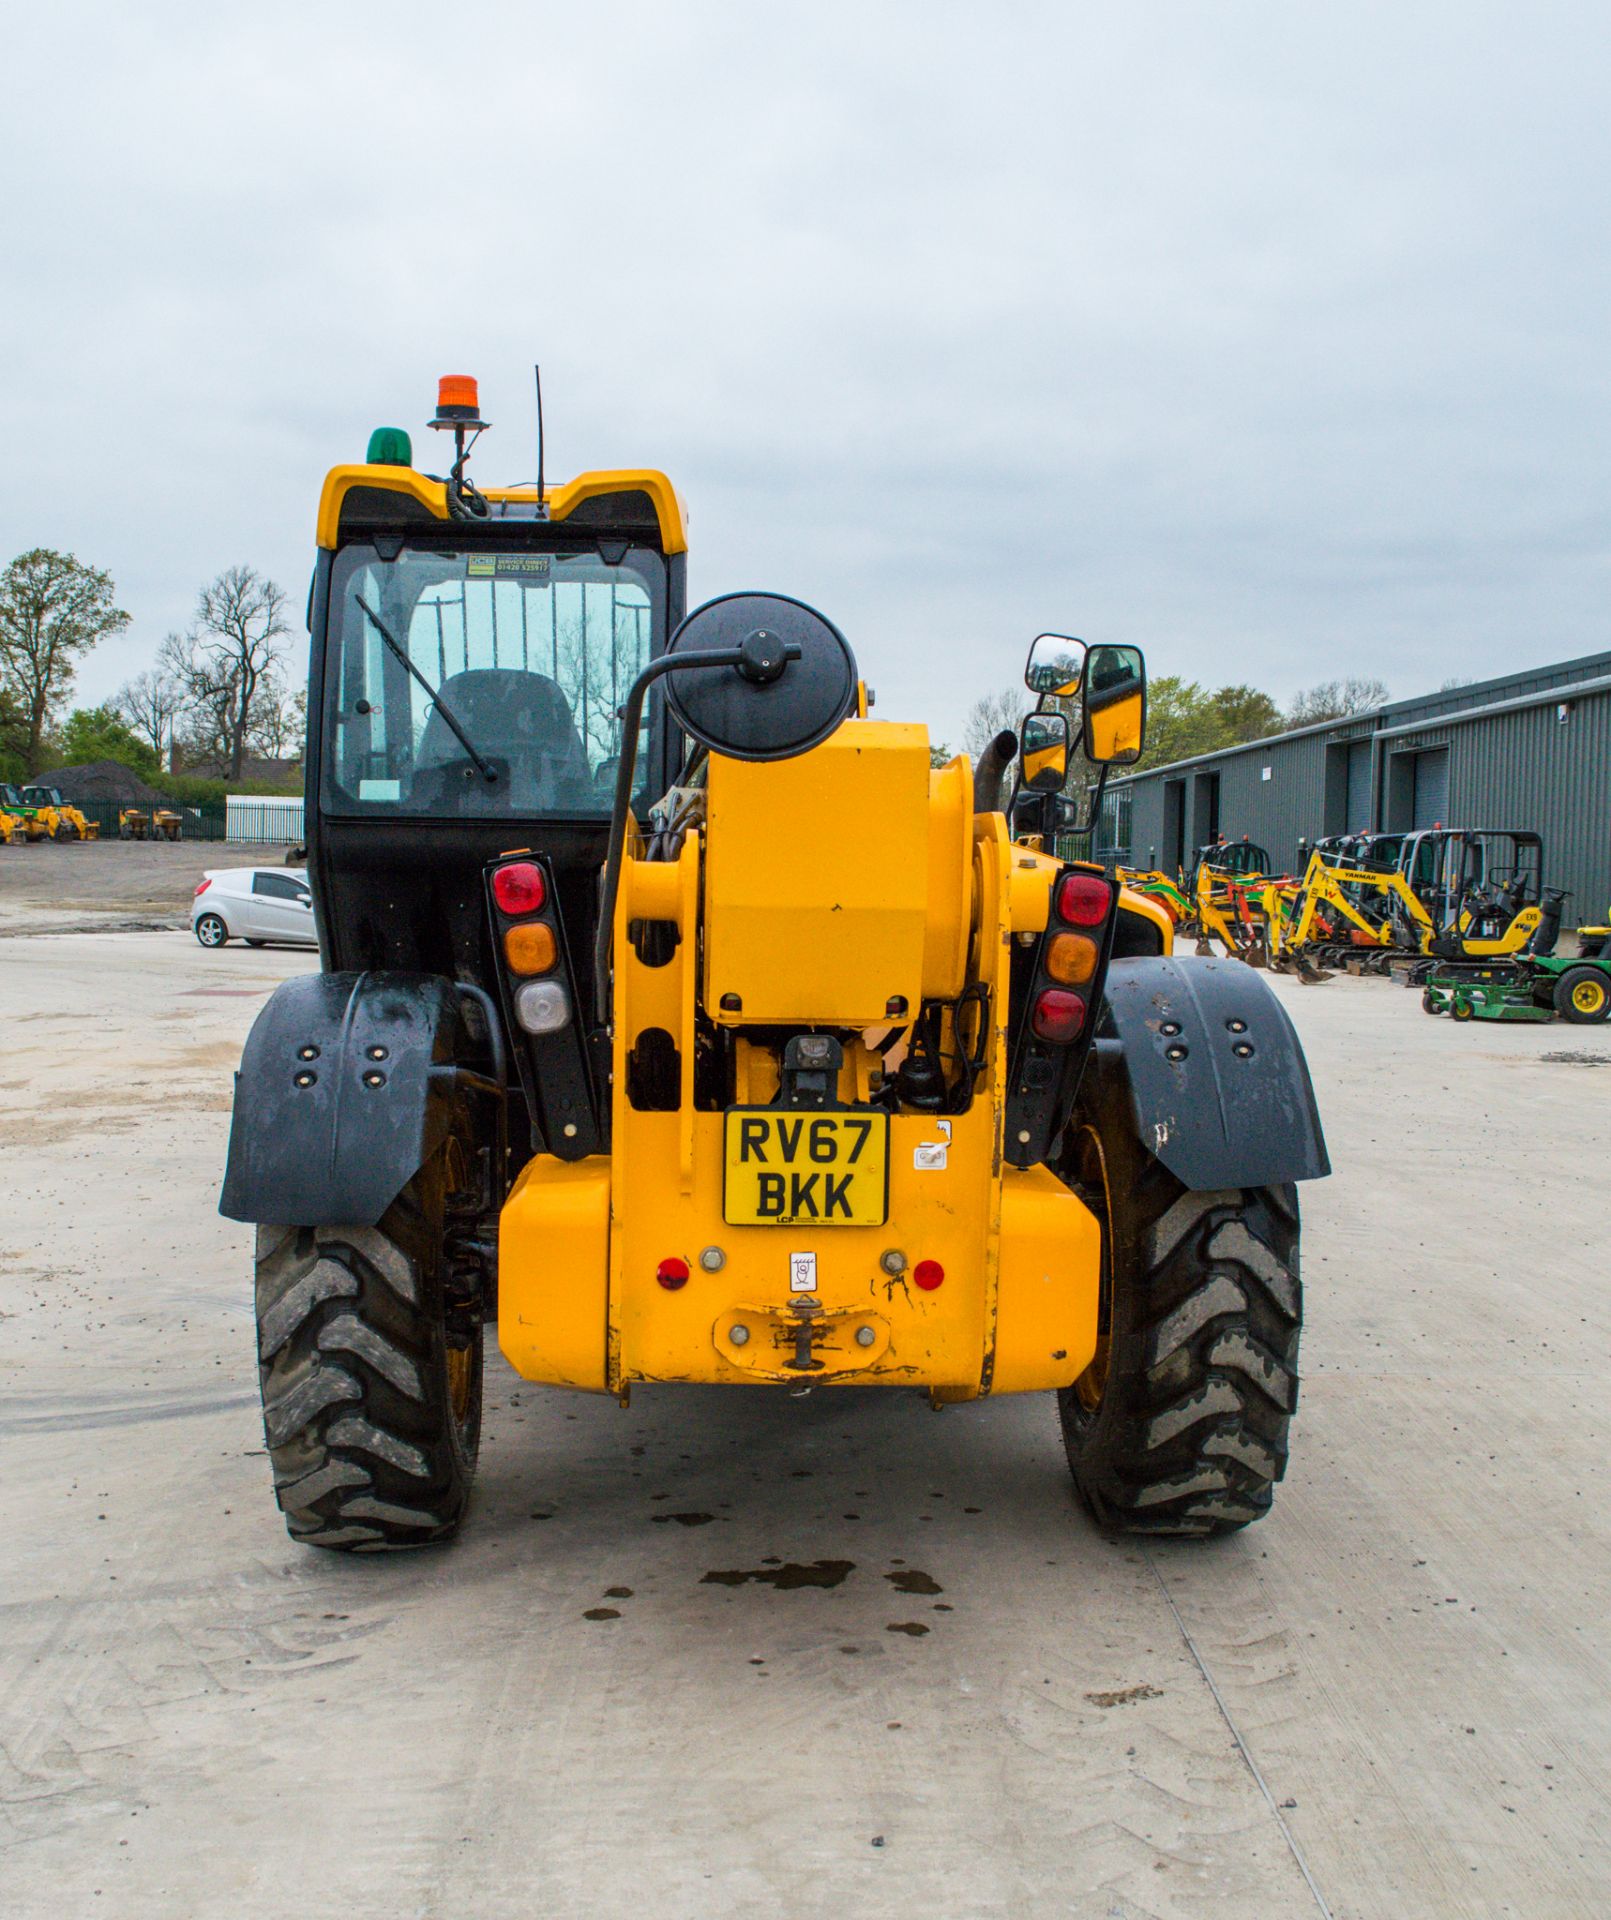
758	676
1043	752
1056	662
1114	705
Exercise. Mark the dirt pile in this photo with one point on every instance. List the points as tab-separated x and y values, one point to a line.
105	783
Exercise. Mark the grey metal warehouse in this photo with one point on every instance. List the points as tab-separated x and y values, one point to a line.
1531	750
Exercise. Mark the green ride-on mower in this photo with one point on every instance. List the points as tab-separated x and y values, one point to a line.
1532	987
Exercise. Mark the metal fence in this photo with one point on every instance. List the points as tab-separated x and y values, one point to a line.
260	820
206	822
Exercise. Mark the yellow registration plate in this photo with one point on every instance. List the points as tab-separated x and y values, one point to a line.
786	1168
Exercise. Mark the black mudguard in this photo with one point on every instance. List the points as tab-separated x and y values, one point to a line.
1218	1085
346	1088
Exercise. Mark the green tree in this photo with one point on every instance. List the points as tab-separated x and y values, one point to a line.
13	736
98	733
1248	713
1182	720
53	609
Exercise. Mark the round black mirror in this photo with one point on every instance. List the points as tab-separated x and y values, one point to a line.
775	703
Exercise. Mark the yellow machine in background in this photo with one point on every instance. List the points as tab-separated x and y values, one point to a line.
23	823
59	818
1386	914
134	823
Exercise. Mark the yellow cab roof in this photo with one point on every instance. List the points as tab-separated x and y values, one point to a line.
563	497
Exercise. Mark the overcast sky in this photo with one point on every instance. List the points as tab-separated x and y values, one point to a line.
1272	337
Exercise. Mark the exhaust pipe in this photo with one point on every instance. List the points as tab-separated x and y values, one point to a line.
991	769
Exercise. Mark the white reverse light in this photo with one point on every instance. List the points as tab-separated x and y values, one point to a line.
541	1006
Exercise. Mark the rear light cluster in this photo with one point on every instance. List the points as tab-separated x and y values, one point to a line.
531	947
1070	959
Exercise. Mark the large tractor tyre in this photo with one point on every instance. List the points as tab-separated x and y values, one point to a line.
1179	1425
1583	996
372	1412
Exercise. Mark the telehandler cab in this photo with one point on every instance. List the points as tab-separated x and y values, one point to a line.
676	1017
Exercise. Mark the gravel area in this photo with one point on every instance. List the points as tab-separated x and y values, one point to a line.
76	886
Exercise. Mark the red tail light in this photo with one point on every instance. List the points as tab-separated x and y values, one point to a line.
1083	900
1058	1017
928	1274
520	888
201	889
672	1273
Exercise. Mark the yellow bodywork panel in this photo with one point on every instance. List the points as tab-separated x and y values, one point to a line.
797	899
553	1268
1046	1305
562	499
809	917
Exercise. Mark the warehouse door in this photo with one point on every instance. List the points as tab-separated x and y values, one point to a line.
1430	805
1358	812
1204	810
1174	831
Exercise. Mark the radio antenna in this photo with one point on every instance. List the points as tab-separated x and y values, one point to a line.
541	502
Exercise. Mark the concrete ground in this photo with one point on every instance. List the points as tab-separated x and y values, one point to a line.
1392	1698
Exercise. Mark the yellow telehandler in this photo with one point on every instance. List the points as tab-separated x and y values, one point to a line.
59	818
678	1019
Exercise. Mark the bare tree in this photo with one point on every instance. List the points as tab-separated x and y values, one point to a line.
226	660
281	726
1336	699
990	714
53	609
151	704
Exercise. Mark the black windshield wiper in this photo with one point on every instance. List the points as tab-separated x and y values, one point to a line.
487	773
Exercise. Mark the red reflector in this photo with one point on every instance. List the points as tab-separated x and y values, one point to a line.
1082	899
928	1274
520	888
201	889
1058	1016
672	1273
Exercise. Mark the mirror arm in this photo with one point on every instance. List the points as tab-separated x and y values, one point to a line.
1096	801
631	721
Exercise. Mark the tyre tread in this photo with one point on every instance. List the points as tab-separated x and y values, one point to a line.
352	1353
1191	1432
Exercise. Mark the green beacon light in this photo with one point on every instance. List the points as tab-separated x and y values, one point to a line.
390	447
